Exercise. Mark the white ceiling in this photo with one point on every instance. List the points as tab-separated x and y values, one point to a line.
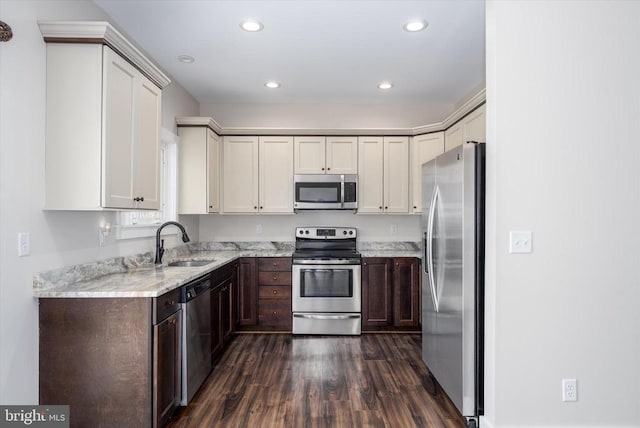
322	52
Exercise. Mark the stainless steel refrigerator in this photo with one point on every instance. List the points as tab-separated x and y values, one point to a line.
453	274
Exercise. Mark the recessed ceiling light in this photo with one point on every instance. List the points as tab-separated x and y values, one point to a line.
385	85
187	59
251	25
272	85
415	25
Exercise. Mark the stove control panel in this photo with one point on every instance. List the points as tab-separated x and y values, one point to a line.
326	232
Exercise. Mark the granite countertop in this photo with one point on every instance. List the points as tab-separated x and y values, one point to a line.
137	276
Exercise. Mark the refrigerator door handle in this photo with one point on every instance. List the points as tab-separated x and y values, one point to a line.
429	248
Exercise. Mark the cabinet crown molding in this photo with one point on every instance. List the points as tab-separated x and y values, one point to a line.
187	121
102	32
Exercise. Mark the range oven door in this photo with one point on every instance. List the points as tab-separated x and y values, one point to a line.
326	288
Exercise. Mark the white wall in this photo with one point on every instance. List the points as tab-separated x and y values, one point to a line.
57	238
324	116
282	227
563	98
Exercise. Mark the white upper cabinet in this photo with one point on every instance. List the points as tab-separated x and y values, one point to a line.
475	125
103	122
240	174
258	174
342	155
326	155
383	176
396	174
275	161
453	136
423	149
198	170
309	155
472	127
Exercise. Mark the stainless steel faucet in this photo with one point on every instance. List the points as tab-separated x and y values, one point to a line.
160	242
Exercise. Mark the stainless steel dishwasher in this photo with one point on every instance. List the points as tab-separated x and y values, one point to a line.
196	334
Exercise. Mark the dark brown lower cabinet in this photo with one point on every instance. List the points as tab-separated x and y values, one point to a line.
247	292
390	293
274	293
376	292
406	292
166	368
223	307
114	361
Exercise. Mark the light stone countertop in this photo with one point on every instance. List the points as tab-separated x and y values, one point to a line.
137	276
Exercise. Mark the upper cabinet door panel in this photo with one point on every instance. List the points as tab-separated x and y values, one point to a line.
423	149
276	174
475	125
396	174
453	136
240	183
309	155
370	174
342	155
119	89
147	154
213	172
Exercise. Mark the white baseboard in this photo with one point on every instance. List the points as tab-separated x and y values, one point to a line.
484	423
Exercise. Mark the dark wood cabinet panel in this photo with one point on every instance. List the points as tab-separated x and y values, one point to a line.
391	293
217	340
247	292
225	311
406	292
376	292
95	355
166	368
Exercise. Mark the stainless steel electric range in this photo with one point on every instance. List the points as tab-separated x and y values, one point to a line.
326	282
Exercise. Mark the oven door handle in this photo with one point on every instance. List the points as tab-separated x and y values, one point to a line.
327	317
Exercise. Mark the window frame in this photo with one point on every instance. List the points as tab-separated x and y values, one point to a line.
127	226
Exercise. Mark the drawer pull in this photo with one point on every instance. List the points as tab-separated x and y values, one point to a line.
275	278
275	313
275	291
275	263
169	303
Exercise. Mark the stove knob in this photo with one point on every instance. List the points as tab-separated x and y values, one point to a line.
344	232
351	232
301	231
306	232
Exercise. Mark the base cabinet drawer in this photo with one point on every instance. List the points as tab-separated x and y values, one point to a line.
275	292
274	313
274	264
274	278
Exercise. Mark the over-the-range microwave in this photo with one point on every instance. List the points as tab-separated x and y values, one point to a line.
325	192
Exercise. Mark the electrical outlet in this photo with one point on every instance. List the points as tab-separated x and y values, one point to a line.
569	390
258	228
394	229
520	241
24	244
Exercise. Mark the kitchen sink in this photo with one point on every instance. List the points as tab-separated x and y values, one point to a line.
190	263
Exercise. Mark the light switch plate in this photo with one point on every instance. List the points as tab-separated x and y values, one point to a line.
24	244
520	242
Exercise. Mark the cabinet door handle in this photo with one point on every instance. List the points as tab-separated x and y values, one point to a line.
328	169
255	208
141	198
261	207
386	208
275	313
322	169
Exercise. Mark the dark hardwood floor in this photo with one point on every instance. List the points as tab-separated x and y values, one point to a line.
279	380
